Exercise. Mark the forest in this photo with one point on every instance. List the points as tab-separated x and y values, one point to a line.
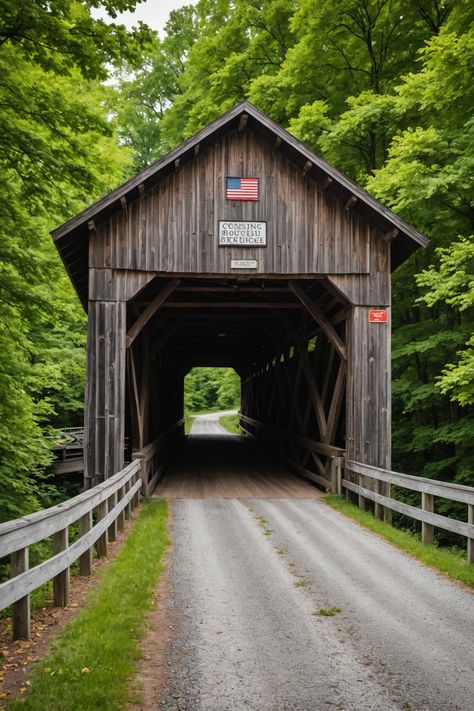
381	88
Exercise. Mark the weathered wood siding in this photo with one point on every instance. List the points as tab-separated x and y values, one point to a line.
105	391
174	226
368	390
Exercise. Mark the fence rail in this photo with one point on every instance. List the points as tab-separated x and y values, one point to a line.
429	488
109	503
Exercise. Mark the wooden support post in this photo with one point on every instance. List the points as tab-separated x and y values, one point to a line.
333	475
21	613
427	529
61	581
339	467
378	508
128	507
121	516
112	530
105	391
102	541
85	561
470	541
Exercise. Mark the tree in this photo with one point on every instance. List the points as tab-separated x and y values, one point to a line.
58	151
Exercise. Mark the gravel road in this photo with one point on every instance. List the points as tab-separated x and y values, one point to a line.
209	424
246	579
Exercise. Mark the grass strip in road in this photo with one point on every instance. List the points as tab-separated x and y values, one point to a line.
94	657
451	562
230	423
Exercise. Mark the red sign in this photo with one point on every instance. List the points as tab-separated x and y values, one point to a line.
378	316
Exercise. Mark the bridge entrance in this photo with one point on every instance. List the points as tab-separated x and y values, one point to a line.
282	273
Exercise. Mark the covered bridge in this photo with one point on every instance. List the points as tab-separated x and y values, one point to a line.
239	248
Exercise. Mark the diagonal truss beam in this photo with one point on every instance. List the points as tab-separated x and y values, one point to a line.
319	316
149	311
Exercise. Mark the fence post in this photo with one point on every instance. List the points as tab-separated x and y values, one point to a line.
333	475
470	541
427	529
339	466
143	471
101	544
21	613
121	516
128	507
61	580
112	530
85	561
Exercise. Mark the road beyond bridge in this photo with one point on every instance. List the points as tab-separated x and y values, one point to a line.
251	580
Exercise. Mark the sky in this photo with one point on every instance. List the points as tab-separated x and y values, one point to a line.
153	12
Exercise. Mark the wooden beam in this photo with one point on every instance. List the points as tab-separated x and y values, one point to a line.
307	167
350	202
243	122
151	309
123	202
196	149
230	305
277	143
141	189
390	235
91	226
176	165
326	182
320	317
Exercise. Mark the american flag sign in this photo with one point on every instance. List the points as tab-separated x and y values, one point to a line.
241	189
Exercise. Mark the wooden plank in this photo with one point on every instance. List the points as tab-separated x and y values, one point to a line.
149	311
321	319
85	560
42	524
447	524
271	305
25	583
446	490
427	529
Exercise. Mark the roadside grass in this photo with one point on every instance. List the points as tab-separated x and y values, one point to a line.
327	612
94	657
230	423
452	562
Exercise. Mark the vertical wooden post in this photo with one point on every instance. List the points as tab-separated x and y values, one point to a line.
427	529
128	507
61	581
105	391
470	541
85	561
121	516
339	466
101	544
21	613
112	530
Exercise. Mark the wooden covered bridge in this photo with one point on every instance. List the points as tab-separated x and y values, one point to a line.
239	248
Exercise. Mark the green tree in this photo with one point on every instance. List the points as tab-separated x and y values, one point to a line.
58	151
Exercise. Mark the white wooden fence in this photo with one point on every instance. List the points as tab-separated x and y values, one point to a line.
100	512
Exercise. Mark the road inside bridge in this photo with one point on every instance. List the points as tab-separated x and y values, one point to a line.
248	581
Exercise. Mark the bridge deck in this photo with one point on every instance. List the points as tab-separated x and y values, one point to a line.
217	466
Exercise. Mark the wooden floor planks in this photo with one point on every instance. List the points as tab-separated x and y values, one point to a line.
229	467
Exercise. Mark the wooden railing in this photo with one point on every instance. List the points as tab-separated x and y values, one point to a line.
155	456
329	474
100	512
429	488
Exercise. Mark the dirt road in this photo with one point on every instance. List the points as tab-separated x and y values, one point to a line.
249	581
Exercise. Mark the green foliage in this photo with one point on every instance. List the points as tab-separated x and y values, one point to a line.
211	389
95	655
58	151
230	423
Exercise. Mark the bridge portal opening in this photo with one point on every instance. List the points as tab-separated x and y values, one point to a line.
279	347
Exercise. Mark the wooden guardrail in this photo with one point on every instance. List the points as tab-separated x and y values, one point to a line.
100	512
329	476
155	456
429	488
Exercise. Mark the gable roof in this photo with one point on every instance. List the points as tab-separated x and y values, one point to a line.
71	238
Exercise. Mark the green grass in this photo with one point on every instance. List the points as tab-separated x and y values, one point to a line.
449	561
327	612
230	423
94	657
